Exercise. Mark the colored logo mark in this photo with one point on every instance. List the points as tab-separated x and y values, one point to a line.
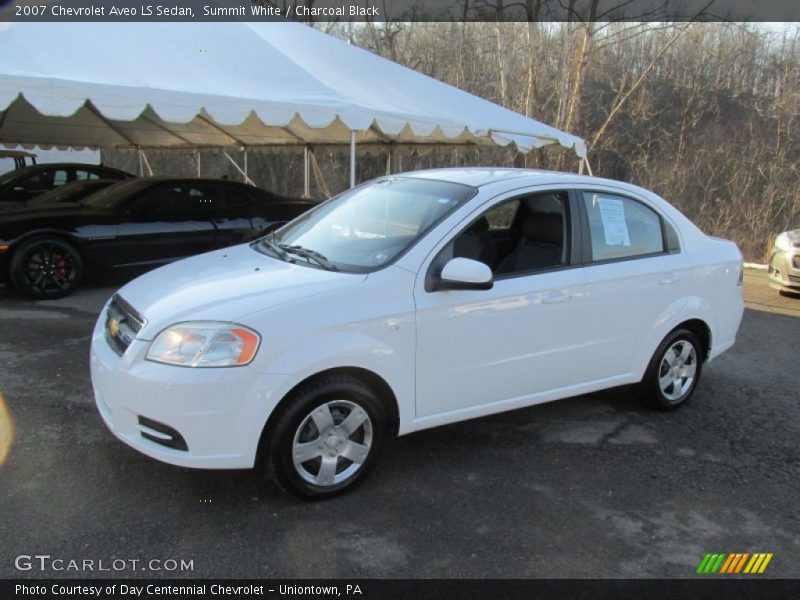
738	562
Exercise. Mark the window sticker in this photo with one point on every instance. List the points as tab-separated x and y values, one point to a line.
615	228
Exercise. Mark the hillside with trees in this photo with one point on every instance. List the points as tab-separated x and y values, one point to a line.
704	114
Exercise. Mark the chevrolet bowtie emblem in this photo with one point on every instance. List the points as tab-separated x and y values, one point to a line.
113	327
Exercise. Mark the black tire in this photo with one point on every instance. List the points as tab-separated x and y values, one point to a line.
46	268
342	396
651	389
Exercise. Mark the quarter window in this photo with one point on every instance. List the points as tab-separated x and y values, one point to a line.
621	227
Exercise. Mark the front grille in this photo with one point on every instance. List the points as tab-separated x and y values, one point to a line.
122	324
794	278
161	434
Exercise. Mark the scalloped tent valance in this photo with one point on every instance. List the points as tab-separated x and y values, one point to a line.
194	85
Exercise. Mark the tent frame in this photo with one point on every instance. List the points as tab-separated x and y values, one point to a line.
583	162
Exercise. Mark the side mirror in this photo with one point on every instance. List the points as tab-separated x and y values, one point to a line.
465	274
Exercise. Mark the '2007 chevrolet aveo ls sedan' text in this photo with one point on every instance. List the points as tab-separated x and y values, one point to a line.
409	302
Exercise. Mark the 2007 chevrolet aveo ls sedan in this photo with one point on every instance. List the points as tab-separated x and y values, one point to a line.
405	303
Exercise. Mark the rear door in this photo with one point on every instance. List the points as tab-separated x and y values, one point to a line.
636	277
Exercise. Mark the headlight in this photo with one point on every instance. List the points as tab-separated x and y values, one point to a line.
204	344
782	242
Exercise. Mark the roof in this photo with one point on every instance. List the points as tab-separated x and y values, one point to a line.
480	176
231	84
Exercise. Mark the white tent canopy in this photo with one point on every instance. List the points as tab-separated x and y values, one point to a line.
195	85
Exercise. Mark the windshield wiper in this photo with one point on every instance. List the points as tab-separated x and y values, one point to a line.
310	255
269	242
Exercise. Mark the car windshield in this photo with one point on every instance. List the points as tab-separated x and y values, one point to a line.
6	177
114	194
367	227
71	192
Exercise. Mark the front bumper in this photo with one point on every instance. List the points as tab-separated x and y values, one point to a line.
784	270
218	413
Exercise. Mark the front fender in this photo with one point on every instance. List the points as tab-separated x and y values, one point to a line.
386	358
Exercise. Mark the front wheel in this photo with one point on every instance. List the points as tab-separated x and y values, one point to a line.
46	268
326	438
674	371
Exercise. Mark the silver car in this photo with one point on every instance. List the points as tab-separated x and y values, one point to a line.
784	262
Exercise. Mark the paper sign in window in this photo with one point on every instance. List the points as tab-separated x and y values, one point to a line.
615	228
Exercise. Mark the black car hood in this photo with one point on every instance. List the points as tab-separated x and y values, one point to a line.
48	211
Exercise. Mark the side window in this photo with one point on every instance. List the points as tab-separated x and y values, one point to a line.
203	198
80	175
518	236
161	199
38	182
621	227
502	216
59	178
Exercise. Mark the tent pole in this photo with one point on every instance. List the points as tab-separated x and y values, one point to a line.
352	159
246	178
306	174
237	167
389	160
588	166
146	163
580	167
141	164
197	156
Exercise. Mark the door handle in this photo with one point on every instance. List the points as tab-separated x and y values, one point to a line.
556	298
670	280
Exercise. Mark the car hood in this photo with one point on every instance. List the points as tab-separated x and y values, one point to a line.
224	285
24	212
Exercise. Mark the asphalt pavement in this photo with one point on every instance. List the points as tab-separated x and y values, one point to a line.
595	486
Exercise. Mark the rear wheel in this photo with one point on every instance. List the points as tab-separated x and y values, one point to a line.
326	438
46	268
673	372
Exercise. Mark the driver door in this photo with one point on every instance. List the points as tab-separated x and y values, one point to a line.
482	351
164	224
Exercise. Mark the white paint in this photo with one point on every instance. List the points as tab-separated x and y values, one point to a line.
446	355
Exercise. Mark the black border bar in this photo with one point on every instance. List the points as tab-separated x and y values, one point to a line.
399	10
698	588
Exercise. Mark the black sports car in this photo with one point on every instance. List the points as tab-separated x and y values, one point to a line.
71	192
25	183
135	225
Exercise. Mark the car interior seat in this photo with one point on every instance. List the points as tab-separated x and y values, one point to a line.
540	245
475	243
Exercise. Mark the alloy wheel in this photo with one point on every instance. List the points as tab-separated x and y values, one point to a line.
677	371
48	267
332	443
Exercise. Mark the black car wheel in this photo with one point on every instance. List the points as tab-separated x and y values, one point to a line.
326	438
46	268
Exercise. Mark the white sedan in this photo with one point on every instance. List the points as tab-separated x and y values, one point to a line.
406	303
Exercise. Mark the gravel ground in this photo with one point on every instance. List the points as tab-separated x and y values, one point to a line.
596	486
